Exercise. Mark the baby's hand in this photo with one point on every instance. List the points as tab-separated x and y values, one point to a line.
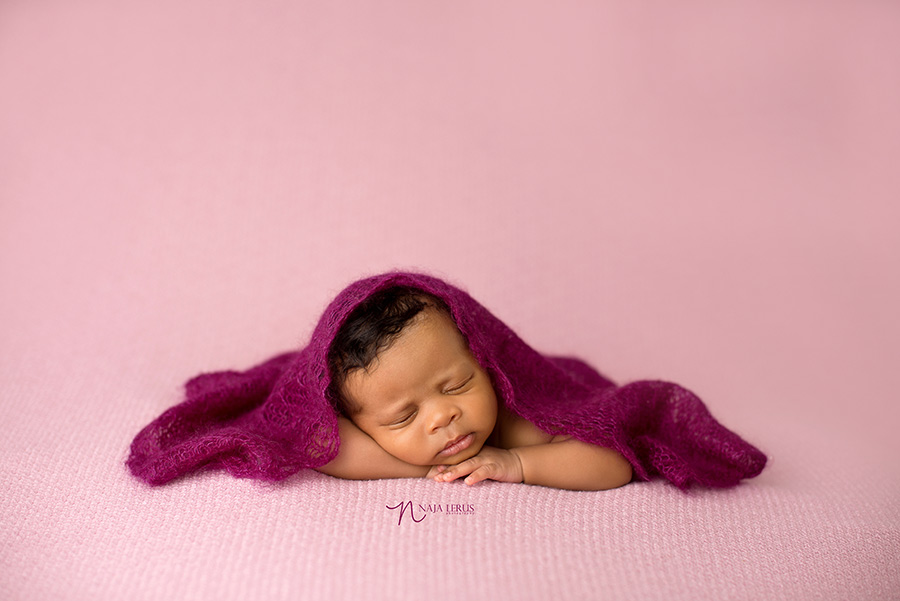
490	463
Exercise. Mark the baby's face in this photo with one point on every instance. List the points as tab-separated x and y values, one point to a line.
425	391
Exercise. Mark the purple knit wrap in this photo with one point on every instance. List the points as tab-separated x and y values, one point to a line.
275	419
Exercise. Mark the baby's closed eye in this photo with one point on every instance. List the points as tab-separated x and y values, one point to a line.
403	420
460	386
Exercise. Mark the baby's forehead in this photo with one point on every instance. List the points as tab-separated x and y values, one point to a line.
430	353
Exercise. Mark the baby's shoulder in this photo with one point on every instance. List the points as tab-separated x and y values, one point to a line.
515	431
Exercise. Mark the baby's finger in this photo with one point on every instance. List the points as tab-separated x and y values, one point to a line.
450	474
484	472
460	469
435	470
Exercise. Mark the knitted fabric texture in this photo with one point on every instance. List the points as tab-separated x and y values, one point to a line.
275	419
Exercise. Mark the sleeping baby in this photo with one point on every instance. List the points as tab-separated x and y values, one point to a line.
406	375
414	402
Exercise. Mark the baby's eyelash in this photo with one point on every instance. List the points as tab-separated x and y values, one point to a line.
460	386
403	420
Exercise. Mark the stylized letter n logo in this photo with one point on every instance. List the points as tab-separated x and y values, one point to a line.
403	507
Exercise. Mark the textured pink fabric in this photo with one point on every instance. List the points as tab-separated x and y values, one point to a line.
274	419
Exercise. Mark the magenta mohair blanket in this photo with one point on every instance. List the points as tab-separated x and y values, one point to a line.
275	419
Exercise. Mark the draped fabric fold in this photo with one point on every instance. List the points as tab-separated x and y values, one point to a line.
275	419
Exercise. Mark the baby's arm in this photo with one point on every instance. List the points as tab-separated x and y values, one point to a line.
360	458
571	464
564	463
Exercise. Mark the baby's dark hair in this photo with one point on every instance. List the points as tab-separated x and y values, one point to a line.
370	329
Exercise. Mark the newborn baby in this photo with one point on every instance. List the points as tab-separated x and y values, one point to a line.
406	375
415	402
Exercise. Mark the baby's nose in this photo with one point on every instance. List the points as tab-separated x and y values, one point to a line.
444	414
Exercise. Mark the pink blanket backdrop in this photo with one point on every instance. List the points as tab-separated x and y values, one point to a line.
697	192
